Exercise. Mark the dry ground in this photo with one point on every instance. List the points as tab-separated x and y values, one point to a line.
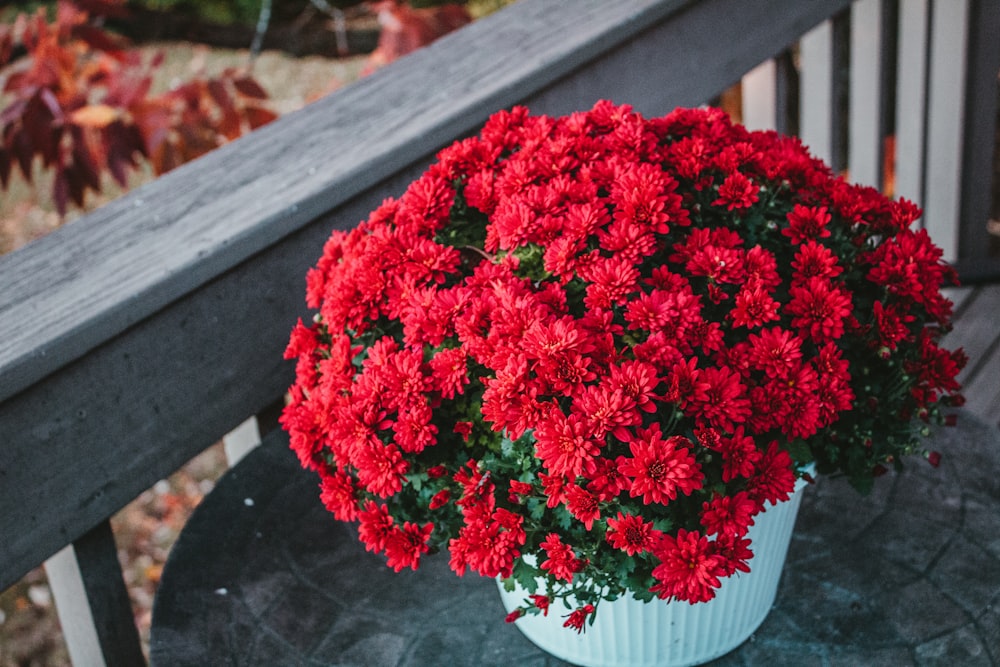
145	530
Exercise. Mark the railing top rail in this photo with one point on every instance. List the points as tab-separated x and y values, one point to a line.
90	280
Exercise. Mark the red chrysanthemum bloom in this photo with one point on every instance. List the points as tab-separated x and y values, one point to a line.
688	568
564	445
818	310
339	495
735	553
561	561
737	192
381	469
542	602
404	546
660	468
577	619
754	307
739	455
631	534
374	526
807	222
440	499
583	505
605	410
449	372
773	479
775	351
729	515
725	402
814	260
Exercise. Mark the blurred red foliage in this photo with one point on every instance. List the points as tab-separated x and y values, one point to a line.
80	101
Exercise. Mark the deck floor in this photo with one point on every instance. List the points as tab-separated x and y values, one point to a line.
977	330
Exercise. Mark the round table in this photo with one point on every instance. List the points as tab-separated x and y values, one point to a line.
263	575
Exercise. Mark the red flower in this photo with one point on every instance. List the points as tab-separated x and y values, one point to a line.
542	602
688	569
440	499
773	478
729	515
754	307
339	495
739	456
819	310
736	192
805	223
563	444
775	351
660	468
725	402
814	260
583	506
631	534
381	469
561	563
375	526
578	618
404	546
449	374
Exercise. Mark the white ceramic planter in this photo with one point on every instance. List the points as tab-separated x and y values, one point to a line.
629	633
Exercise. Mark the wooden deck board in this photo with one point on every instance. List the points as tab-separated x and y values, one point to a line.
977	330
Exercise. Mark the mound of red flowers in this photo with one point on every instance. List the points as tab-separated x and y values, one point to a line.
606	342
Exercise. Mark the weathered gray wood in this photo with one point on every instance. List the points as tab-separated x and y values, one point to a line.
980	129
97	556
165	313
978	331
93	279
959	296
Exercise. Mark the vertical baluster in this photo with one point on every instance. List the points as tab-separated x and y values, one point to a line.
817	103
911	100
759	99
945	122
865	115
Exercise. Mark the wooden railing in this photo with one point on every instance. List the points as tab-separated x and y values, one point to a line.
137	336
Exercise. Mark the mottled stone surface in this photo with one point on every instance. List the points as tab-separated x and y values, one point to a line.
263	575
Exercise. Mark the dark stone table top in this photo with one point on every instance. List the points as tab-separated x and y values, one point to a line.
263	575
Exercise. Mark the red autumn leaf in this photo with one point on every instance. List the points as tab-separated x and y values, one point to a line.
77	181
101	40
248	87
94	116
60	190
258	116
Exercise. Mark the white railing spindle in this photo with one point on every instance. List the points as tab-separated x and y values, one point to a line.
816	86
945	122
865	111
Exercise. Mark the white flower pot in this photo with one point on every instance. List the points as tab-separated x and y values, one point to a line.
629	633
